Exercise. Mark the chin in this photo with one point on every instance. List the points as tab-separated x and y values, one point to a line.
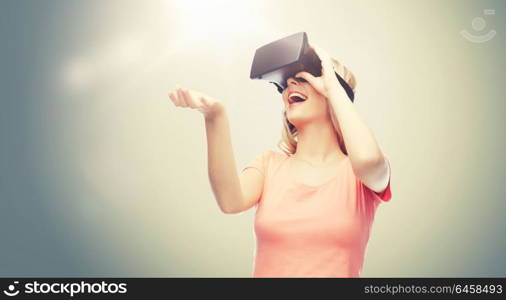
298	120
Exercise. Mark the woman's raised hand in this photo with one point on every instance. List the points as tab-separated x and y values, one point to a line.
208	106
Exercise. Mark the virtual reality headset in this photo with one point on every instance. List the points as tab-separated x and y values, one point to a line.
282	59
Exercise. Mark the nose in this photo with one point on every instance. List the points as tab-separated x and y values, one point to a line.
292	81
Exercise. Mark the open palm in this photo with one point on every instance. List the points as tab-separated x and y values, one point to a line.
207	105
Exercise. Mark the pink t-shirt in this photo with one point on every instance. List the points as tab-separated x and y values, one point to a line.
311	231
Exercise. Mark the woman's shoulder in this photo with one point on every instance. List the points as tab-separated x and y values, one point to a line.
276	155
274	160
271	157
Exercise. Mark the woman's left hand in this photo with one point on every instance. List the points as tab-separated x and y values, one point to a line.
328	79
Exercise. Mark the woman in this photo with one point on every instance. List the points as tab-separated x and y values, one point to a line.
316	201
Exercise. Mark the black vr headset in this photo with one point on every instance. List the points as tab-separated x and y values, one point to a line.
282	59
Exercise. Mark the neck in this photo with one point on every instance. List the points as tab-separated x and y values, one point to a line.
317	142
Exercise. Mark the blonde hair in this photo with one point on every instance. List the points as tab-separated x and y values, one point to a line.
288	142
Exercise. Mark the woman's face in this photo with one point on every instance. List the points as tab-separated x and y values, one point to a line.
303	103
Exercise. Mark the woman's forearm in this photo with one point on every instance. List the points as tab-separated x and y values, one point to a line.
222	170
360	142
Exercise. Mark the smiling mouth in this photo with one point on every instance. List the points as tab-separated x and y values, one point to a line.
296	97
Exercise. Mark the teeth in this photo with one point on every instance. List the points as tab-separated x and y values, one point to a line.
298	95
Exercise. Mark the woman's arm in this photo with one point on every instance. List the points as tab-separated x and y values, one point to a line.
233	193
368	162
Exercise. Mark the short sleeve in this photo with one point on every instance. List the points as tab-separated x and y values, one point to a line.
259	162
386	194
